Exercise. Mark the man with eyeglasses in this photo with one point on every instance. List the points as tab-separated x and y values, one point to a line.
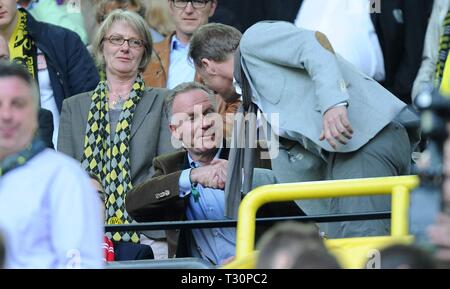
171	65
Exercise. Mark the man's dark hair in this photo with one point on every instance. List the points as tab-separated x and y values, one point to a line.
11	69
8	69
406	257
316	259
284	246
213	41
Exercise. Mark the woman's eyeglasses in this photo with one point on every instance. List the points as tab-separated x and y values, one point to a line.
119	41
197	4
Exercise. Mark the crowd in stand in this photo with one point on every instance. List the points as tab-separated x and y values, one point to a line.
143	101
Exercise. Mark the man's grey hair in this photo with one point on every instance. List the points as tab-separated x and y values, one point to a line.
15	70
186	87
133	20
214	41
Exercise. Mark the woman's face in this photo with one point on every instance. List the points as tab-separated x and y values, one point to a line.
122	59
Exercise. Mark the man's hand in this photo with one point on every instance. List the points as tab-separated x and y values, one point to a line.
336	126
213	175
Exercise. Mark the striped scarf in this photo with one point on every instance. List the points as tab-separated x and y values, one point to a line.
444	47
22	48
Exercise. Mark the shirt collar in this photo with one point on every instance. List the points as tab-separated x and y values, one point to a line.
194	164
177	44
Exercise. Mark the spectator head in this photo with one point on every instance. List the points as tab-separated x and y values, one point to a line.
212	49
18	108
105	7
316	259
111	50
8	10
188	16
4	50
283	246
405	257
193	118
158	17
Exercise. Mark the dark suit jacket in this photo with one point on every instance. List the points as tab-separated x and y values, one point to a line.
401	28
150	135
248	12
158	199
45	131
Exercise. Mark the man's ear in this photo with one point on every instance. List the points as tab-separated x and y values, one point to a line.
209	66
176	137
213	8
174	131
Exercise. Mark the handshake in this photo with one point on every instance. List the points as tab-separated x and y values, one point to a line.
213	175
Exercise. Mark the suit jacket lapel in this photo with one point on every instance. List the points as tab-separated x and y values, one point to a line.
85	106
142	109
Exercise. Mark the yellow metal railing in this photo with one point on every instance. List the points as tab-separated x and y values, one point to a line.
399	187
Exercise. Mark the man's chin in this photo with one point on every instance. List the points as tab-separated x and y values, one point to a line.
230	96
206	146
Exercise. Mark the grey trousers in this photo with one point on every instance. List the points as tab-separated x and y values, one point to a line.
387	154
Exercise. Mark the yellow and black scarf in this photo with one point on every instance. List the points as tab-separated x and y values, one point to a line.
109	159
20	158
22	48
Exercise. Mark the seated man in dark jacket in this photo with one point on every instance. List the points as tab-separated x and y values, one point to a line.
56	57
189	184
45	131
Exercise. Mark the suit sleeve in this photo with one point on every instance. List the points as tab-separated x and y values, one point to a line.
430	52
282	43
65	142
163	146
156	199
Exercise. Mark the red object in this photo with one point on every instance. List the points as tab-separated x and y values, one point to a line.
108	249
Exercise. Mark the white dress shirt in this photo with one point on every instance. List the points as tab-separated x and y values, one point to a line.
181	67
348	26
50	215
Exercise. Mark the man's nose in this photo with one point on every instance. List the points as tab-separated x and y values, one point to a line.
5	112
189	7
207	122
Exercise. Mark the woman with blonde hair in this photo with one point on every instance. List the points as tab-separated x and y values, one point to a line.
116	130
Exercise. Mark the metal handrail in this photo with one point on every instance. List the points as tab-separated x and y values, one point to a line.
232	223
399	187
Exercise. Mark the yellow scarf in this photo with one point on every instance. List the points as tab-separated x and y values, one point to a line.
445	83
21	47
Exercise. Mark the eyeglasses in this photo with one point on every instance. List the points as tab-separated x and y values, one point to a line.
119	41
197	4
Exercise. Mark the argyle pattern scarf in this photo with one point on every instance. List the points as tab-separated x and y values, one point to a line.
109	159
